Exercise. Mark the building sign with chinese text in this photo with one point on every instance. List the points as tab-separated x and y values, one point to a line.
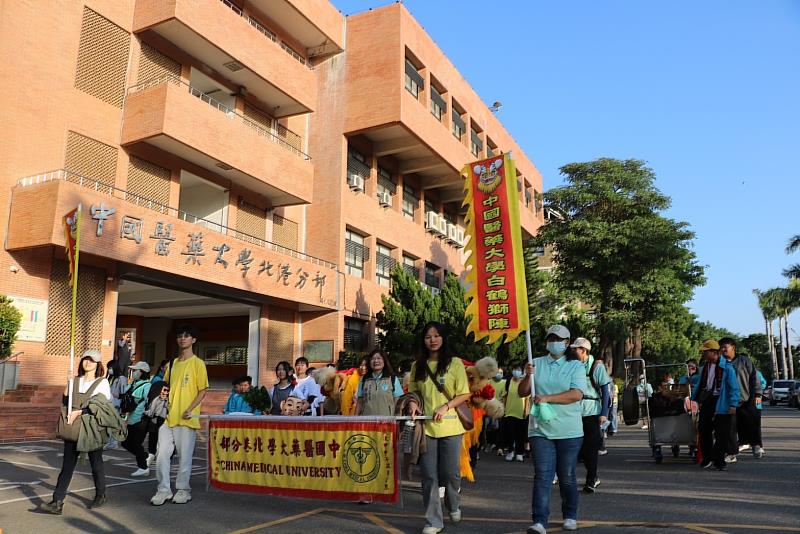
340	458
497	296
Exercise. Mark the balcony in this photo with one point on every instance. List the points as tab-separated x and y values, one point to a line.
316	25
177	118
221	36
39	202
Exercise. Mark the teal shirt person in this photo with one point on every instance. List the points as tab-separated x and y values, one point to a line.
592	402
140	390
552	377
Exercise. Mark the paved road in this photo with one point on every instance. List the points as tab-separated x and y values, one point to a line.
635	496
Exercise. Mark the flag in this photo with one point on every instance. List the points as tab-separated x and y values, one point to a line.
497	298
72	231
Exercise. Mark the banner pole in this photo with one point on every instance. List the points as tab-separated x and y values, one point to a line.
530	361
74	310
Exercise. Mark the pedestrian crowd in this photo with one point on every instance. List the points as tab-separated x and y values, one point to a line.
558	411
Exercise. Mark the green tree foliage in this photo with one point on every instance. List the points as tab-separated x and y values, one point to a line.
614	251
406	308
756	347
452	308
10	319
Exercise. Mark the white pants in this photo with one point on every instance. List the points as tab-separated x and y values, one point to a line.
170	438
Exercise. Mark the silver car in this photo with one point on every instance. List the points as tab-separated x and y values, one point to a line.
782	390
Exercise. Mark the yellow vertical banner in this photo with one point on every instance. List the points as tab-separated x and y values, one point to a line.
72	241
339	458
497	298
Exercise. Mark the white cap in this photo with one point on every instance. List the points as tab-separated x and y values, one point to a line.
140	366
94	354
582	343
559	331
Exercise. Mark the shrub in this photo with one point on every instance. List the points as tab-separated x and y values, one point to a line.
10	319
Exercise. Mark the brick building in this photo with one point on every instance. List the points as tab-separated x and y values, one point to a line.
256	168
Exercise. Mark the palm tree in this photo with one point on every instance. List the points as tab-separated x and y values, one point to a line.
792	247
766	305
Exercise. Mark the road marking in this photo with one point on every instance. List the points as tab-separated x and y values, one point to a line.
280	521
698	528
383	524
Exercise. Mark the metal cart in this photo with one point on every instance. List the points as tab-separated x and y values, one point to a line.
650	382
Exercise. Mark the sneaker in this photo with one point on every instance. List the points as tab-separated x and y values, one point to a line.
644	427
500	452
510	457
555	480
431	530
455	516
161	497
519	458
182	497
730	459
536	528
441	492
54	507
758	452
591	488
743	448
602	452
141	472
98	501
570	524
151	458
707	465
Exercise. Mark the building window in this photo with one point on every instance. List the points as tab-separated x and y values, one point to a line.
438	105
410	202
414	81
358	170
528	198
459	127
431	276
410	267
476	145
429	206
384	265
355	254
355	339
491	148
386	187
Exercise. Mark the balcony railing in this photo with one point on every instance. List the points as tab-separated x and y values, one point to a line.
432	280
138	200
413	271
357	168
278	135
269	34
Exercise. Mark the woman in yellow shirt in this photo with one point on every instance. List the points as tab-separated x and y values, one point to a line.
440	462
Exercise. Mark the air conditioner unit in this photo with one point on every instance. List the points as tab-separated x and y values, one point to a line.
385	199
432	221
459	237
451	233
355	182
443	227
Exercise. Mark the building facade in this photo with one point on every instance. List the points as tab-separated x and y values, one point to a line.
254	168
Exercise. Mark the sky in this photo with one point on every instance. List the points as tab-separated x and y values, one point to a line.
707	93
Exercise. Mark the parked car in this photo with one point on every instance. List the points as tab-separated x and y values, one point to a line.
781	391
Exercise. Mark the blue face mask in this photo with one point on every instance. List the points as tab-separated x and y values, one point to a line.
517	373
557	348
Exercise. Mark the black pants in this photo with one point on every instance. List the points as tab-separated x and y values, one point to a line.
152	434
714	433
68	467
591	444
134	443
748	424
515	434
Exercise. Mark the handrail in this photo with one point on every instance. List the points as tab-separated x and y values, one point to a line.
269	34
138	200
211	101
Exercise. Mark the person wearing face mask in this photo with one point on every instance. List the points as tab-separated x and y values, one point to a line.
490	437
555	428
514	424
139	386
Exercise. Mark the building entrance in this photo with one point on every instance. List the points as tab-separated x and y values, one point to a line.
228	330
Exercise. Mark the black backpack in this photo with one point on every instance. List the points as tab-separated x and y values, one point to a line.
127	403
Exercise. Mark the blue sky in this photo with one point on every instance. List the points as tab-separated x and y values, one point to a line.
708	93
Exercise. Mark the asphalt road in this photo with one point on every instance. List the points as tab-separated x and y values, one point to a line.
635	496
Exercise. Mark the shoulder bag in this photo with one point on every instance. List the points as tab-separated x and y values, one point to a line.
71	432
462	410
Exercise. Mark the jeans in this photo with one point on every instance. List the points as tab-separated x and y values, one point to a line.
68	468
614	418
592	440
170	438
440	467
133	443
551	456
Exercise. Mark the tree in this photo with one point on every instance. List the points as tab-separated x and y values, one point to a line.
405	310
766	304
614	251
756	346
791	247
452	307
10	320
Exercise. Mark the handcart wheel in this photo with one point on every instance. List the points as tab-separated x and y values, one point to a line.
630	406
676	451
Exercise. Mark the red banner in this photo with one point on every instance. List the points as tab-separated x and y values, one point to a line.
497	295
